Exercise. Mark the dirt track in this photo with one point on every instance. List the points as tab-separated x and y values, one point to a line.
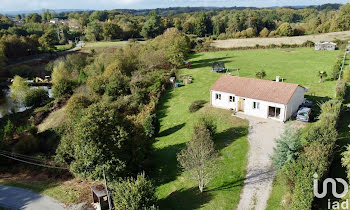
251	42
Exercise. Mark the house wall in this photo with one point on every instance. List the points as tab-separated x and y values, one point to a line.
248	105
294	103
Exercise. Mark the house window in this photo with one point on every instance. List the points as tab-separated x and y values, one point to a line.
218	96
256	105
232	99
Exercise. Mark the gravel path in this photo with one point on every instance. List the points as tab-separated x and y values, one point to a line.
258	182
18	198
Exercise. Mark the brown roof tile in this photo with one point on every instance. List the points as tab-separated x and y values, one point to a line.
265	90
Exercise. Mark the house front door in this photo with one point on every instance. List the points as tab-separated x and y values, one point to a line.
241	104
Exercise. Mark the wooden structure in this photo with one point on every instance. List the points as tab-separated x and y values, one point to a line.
99	197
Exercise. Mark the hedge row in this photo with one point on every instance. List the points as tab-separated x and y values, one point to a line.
209	48
317	154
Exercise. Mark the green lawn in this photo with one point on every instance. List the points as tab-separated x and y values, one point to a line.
175	190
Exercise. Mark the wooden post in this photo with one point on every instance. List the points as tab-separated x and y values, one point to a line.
108	197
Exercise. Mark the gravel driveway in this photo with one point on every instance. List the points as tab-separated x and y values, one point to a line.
18	198
259	178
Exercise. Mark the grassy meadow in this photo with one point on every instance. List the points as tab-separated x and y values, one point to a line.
174	189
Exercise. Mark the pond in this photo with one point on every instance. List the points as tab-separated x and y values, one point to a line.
7	105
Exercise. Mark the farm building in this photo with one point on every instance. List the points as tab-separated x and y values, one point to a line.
325	46
256	97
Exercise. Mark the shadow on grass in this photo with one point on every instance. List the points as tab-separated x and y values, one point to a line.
208	62
162	107
166	163
226	137
185	199
171	130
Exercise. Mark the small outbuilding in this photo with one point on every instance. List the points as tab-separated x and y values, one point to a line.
325	46
99	197
257	97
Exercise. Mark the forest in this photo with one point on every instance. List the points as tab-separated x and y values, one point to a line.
30	34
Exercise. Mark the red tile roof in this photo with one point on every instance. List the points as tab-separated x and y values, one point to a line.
265	90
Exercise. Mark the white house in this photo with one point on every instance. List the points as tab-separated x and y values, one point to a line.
256	97
325	46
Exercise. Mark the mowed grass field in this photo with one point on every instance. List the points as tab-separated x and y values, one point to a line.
174	189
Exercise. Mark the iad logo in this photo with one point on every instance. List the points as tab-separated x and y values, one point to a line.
335	204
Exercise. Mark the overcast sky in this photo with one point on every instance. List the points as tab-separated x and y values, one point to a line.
21	5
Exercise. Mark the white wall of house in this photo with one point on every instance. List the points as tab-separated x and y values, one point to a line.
296	100
257	108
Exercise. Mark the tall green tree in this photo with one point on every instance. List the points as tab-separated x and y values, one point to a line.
94	31
153	26
198	157
49	40
19	89
111	31
203	25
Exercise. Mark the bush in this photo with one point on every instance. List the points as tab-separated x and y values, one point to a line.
287	148
151	125
346	75
76	104
36	97
336	67
133	194
27	144
208	123
196	105
308	43
340	90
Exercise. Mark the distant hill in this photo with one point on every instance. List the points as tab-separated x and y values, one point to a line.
178	10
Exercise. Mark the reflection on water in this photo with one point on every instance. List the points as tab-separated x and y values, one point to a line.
6	103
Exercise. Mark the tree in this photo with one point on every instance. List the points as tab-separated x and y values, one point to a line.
94	31
103	136
202	25
153	26
19	89
344	18
264	33
287	148
260	74
36	97
198	157
33	18
285	30
175	44
111	31
62	81
49	40
133	193
46	15
322	74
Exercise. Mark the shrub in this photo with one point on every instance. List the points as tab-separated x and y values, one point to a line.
336	67
208	123
308	43
151	125
36	97
133	194
340	90
346	75
196	105
27	144
264	33
76	104
287	148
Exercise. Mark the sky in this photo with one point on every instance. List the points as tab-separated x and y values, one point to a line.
25	5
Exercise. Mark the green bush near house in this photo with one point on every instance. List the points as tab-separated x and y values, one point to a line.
196	105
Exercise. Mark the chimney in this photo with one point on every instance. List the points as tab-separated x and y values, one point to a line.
277	78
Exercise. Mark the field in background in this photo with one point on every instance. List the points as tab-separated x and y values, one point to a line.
104	46
175	190
252	42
